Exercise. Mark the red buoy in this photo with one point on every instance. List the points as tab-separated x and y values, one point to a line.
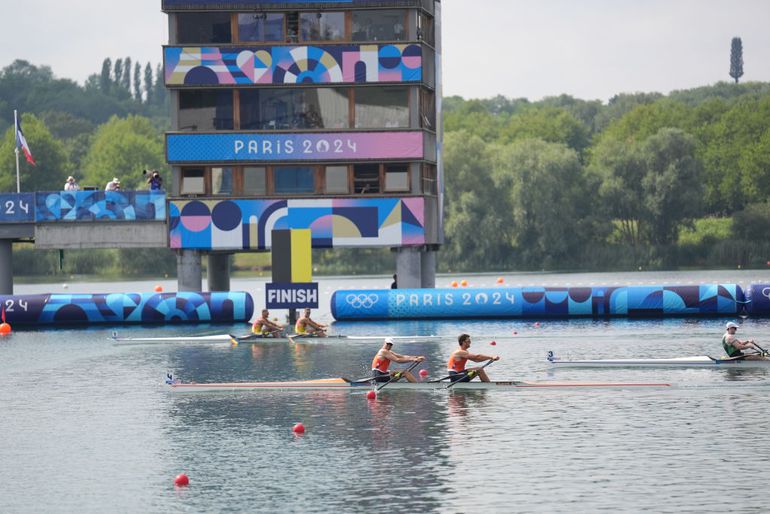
493	343
5	329
299	428
515	333
423	373
371	395
181	480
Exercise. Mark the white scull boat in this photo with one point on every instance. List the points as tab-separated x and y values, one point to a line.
343	384
698	361
254	338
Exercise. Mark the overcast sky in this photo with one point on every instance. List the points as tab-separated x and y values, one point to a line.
590	49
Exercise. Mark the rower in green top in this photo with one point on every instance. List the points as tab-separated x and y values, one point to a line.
734	347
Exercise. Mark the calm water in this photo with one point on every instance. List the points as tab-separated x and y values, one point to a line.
85	425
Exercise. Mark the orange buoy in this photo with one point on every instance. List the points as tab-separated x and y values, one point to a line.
299	428
181	480
371	395
158	288
464	283
5	329
423	373
454	283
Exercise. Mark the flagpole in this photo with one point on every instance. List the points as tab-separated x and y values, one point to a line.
16	149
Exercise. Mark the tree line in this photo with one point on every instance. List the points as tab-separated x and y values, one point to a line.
644	180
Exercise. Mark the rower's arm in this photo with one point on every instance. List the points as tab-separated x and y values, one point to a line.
479	357
397	357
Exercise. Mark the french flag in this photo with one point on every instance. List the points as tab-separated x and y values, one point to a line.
21	142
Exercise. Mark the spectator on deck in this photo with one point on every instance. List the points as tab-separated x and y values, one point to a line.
113	185
71	185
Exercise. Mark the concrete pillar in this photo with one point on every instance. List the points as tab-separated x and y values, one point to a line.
428	268
6	266
218	271
188	270
408	268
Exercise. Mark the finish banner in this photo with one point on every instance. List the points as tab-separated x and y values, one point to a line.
193	148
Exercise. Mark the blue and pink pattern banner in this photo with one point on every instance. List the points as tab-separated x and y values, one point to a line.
192	148
327	64
540	302
100	205
248	224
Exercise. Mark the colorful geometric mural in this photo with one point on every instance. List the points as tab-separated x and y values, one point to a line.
539	302
193	148
328	64
100	205
248	224
114	308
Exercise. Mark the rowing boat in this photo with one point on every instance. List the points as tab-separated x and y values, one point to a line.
343	384
698	361
257	338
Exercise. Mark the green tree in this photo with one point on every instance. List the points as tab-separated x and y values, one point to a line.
650	188
125	82
51	168
547	195
550	124
138	82
122	148
736	59
476	213
105	79
148	84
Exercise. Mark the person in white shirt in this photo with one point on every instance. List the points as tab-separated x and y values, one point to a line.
113	185
71	185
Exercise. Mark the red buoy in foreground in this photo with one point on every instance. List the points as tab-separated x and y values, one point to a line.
181	480
423	373
371	395
493	343
5	329
299	428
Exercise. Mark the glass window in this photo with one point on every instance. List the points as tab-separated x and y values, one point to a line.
366	178
322	26
283	109
429	182
396	177
294	179
200	28
221	181
425	30
260	26
381	25
205	110
192	182
428	109
382	107
255	180
337	180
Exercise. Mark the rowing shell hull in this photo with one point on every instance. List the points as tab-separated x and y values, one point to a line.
700	361
339	384
228	338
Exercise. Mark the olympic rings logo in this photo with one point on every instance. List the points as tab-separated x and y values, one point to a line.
766	292
362	301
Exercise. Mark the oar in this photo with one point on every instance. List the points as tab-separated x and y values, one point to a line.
397	376
471	373
764	352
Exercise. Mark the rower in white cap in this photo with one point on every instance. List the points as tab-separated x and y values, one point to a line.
734	347
385	356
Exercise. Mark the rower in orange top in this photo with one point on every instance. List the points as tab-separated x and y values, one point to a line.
385	356
456	365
